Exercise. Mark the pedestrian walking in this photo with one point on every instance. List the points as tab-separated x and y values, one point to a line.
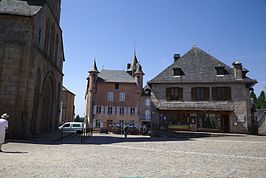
3	128
125	131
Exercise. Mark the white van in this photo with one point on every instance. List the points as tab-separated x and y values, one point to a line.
71	127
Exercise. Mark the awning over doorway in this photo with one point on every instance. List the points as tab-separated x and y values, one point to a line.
196	106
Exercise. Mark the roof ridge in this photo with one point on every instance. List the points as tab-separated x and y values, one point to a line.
211	57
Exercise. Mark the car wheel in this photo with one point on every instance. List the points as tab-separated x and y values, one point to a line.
79	132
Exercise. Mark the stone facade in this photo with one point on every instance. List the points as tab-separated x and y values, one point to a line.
145	105
203	114
67	107
260	122
31	58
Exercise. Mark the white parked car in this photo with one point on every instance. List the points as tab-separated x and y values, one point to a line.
71	127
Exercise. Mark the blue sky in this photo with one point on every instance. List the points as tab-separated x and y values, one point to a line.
108	29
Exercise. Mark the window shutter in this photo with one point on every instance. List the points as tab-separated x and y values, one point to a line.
128	111
193	93
106	110
125	111
214	93
94	123
168	93
180	93
102	110
113	110
94	109
136	111
207	93
228	93
118	110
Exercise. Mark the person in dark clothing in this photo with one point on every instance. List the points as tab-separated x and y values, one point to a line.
125	131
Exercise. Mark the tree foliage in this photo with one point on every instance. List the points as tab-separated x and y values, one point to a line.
253	97
261	102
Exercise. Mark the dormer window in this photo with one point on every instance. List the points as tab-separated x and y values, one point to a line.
178	72
221	71
117	86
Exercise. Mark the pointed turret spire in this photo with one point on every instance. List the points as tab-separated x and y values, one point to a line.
94	68
133	64
139	70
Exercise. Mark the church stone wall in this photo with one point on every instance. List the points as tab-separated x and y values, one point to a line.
27	72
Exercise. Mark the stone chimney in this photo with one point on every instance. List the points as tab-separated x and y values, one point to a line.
238	70
176	57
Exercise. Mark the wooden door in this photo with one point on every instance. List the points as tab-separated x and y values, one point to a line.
225	124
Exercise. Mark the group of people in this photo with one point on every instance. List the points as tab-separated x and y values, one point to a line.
3	127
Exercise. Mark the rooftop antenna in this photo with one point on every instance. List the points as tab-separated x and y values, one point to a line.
134	48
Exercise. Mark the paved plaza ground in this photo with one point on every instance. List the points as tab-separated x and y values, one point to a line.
136	157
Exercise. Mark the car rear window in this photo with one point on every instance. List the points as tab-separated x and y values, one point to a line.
76	125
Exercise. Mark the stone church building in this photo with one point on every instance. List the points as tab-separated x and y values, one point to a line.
31	61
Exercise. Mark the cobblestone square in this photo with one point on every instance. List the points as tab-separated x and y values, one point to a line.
138	156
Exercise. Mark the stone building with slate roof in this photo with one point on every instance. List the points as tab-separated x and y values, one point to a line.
113	97
67	107
31	60
200	93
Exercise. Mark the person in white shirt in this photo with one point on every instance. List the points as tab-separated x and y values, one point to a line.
3	128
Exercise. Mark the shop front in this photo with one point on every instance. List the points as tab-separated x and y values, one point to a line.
195	116
196	121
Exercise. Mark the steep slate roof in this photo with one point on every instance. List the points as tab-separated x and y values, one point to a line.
20	7
199	67
115	76
139	69
94	68
65	89
133	63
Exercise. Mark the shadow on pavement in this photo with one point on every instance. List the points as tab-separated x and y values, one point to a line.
98	139
109	139
16	152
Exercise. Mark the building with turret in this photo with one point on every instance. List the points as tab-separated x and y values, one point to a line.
31	61
113	97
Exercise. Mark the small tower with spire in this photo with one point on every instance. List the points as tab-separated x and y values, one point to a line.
138	75
131	68
91	91
135	70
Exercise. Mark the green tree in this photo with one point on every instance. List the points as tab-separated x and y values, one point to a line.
253	97
261	103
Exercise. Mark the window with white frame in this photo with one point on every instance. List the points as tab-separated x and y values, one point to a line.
122	96
98	123
110	110
98	110
132	111
110	96
147	115
122	111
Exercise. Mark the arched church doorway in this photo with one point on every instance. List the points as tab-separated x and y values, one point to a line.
47	106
